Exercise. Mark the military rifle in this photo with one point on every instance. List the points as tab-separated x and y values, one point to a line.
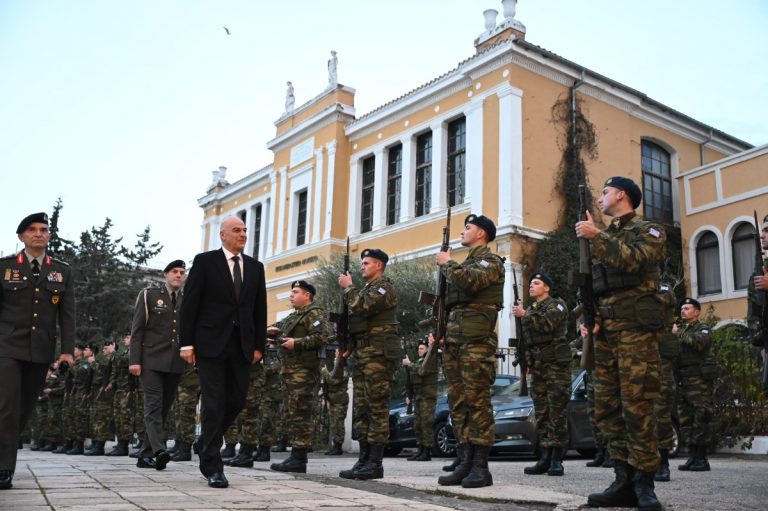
521	356
341	323
408	385
438	319
583	280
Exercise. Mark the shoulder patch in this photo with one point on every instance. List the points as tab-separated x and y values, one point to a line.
654	232
560	307
484	263
382	291
317	322
704	331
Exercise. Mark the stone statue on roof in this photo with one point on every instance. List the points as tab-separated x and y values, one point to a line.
290	99
333	78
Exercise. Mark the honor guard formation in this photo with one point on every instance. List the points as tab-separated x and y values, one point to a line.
201	366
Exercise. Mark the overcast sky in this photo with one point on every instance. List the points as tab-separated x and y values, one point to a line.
123	109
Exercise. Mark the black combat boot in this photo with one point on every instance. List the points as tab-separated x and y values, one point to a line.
455	463
621	491
334	450
228	451
609	462
426	454
139	448
49	447
244	458
362	459
700	464
280	446
646	497
35	446
599	458
296	462
692	453
373	468
416	454
556	465
96	449
262	454
63	448
184	453
479	475
662	474
543	464
120	449
77	448
465	453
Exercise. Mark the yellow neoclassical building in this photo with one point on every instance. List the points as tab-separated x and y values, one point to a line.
479	138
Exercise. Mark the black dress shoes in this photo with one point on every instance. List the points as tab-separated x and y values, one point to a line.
217	480
161	459
6	478
147	463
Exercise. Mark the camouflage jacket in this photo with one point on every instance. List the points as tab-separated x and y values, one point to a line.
695	344
482	269
119	377
757	312
546	321
373	299
314	327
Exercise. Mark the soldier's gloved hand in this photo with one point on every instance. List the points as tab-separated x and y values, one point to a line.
288	343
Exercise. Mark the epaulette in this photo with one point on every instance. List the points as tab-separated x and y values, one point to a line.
12	256
59	261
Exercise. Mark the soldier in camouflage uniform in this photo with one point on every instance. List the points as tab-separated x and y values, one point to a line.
757	311
270	420
55	392
338	403
101	402
668	350
42	422
424	399
373	332
545	323
187	397
245	429
474	296
80	402
67	410
626	279
304	333
121	406
698	369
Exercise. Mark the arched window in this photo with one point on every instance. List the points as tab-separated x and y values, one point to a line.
708	264
657	183
743	253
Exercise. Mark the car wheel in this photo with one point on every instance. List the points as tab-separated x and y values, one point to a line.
392	451
441	445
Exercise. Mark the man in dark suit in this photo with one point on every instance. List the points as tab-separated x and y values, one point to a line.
36	293
223	330
154	357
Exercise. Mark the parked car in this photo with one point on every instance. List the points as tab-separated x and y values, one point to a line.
402	434
515	422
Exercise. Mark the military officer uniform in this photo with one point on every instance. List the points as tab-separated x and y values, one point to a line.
474	296
626	279
546	323
300	374
36	295
698	370
373	331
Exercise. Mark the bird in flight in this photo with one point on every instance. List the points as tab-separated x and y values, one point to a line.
226	30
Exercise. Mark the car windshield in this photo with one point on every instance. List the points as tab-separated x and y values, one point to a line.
509	390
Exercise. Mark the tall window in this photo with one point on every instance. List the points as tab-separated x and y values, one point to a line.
256	230
708	264
743	251
301	219
423	173
366	206
657	183
394	175
457	144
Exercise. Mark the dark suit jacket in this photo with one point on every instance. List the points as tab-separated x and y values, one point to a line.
154	331
210	310
30	310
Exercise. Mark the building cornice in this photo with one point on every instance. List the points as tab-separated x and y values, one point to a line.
312	102
235	188
334	113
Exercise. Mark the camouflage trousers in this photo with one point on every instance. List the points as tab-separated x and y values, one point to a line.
695	409
122	410
551	391
42	423
424	417
68	419
600	441
301	384
81	418
663	406
187	397
245	428
321	426
55	420
372	377
101	415
339	403
626	384
138	413
470	369
271	429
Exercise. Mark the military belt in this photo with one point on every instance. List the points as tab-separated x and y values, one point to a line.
362	343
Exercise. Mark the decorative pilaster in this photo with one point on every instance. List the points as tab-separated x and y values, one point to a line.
354	196
408	183
282	198
439	167
316	203
379	191
331	148
473	174
270	229
510	156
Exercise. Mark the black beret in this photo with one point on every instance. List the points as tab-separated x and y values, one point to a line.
627	186
544	278
92	346
31	219
691	301
108	342
178	263
484	223
80	345
424	343
306	286
376	254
